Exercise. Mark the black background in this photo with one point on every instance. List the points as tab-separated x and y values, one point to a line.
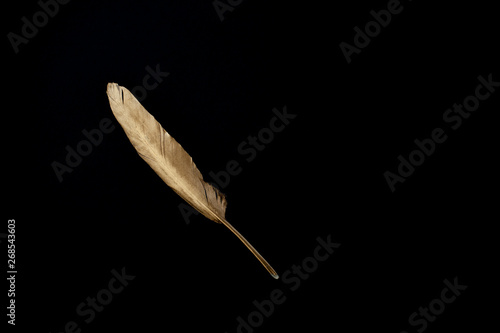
323	175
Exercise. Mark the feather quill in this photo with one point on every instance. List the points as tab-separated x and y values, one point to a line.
170	161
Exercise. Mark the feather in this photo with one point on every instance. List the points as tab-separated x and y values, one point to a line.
170	161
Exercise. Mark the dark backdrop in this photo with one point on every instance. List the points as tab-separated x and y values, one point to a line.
322	176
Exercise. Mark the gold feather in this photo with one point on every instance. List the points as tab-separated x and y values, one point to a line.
170	161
